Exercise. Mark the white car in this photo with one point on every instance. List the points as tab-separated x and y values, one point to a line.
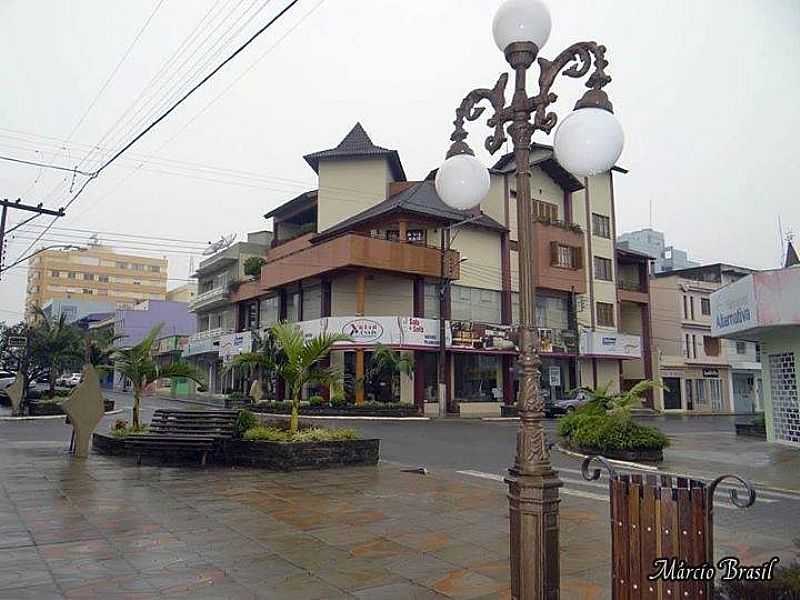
73	380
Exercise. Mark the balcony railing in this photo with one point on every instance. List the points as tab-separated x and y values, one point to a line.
630	285
209	334
209	297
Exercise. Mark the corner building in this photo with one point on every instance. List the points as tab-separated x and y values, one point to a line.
365	253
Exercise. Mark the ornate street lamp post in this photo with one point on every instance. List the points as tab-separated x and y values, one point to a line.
587	142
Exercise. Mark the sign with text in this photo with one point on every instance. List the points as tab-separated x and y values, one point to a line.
611	345
233	344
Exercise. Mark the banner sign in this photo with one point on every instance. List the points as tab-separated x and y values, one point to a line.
233	344
613	345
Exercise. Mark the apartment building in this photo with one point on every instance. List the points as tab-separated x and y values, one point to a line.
701	373
365	253
218	277
183	293
97	273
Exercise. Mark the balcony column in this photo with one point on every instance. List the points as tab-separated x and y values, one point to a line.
647	354
361	301
403	227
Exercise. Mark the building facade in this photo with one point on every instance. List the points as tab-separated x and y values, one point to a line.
183	293
382	259
97	273
649	241
700	372
75	309
762	308
218	277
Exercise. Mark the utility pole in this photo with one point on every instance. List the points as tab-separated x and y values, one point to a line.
18	205
443	288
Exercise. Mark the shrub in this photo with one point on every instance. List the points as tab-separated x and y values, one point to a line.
238	396
317	401
338	399
606	432
252	266
244	422
312	434
121	429
759	420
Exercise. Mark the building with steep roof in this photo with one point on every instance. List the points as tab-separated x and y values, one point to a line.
382	258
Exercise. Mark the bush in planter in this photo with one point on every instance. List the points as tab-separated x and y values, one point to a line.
311	434
339	400
244	422
760	420
317	401
605	423
121	428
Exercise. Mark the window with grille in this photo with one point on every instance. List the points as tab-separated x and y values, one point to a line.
605	314
705	306
565	257
601	226
741	348
602	268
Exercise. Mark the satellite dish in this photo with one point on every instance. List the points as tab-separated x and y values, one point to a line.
221	244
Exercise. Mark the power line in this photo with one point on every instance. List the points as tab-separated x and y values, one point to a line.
44	165
168	112
116	68
127	235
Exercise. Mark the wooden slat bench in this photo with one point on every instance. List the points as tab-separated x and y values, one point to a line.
192	431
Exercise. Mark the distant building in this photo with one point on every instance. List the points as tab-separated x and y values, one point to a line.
762	308
700	373
97	273
183	293
135	323
650	241
218	277
75	309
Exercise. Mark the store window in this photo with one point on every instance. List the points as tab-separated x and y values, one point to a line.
475	304
431	307
270	312
477	378
312	302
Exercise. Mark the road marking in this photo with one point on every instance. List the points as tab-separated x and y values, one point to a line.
579	493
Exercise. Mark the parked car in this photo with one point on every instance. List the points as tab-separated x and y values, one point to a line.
73	380
573	401
62	379
6	379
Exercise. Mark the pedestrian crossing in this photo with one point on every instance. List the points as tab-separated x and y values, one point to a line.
597	490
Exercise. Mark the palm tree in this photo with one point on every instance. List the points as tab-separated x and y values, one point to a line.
388	364
56	344
99	347
302	366
264	362
621	404
137	365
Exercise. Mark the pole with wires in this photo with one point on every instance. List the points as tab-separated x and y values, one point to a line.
18	205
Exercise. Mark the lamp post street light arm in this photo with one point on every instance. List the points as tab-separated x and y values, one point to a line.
588	141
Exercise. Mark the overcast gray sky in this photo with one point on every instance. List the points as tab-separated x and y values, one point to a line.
707	92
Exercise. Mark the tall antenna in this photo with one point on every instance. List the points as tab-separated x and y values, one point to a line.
781	238
651	212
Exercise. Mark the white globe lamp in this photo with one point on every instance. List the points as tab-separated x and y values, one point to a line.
588	141
521	21
462	182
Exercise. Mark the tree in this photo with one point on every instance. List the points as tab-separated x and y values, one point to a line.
264	362
137	365
55	343
252	266
99	347
17	357
388	364
621	404
302	366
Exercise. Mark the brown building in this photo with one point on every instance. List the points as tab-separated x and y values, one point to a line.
97	274
365	254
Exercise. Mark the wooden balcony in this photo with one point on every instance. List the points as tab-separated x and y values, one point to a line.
354	251
632	291
557	268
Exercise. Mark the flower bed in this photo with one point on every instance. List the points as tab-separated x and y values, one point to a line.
380	409
40	408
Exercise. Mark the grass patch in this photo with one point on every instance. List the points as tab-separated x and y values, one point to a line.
312	434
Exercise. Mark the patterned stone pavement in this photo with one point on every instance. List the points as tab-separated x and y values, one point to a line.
105	528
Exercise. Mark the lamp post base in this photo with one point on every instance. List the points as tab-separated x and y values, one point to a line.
533	514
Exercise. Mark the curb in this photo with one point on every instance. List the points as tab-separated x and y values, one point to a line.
344	417
622	463
51	417
188	401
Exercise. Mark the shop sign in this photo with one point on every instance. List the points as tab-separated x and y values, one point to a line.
622	345
234	344
714	373
201	346
363	331
479	336
733	308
